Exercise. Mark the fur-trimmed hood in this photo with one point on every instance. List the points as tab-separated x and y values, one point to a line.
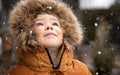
22	15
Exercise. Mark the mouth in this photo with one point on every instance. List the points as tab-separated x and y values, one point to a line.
50	34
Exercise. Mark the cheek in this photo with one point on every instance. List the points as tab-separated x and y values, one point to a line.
38	31
61	37
39	36
60	34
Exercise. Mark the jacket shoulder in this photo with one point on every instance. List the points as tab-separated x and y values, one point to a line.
19	70
83	69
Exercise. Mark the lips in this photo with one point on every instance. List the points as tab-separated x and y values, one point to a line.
50	34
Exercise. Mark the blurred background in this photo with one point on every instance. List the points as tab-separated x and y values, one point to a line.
100	49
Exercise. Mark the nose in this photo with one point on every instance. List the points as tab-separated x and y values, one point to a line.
49	27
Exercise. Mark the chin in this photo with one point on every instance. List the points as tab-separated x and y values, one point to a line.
53	44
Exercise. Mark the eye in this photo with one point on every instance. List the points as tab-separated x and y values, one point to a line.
38	23
56	24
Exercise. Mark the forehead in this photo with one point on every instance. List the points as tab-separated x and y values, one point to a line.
46	17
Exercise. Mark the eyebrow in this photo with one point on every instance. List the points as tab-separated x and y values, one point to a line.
43	19
55	19
37	20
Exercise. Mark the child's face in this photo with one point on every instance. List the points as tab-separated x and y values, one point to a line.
48	30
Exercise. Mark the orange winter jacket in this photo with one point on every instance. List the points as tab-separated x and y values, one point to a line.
38	63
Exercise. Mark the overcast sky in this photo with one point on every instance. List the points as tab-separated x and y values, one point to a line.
93	4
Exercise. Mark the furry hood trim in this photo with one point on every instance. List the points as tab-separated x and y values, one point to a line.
22	15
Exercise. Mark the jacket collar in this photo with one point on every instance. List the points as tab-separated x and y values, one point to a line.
38	59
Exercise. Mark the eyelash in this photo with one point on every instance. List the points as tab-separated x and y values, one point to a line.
55	24
39	24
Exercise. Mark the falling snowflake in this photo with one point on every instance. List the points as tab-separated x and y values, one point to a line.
111	14
31	31
106	40
16	47
99	52
85	55
85	28
4	23
97	73
21	30
49	7
90	46
96	24
71	7
112	48
118	27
